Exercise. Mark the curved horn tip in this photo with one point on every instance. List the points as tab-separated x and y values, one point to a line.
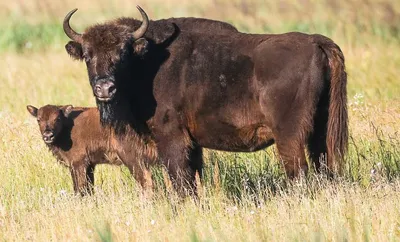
67	28
70	13
143	27
142	12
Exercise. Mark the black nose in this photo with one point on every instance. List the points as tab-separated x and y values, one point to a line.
105	90
48	136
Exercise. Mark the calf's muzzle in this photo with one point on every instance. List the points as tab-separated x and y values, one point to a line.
48	137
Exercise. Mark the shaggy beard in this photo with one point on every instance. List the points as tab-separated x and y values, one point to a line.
114	114
107	112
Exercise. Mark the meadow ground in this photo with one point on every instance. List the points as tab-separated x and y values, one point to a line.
243	197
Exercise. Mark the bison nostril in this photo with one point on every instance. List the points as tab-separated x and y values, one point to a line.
97	89
111	89
48	136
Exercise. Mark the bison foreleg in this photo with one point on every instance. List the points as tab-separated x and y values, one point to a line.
176	153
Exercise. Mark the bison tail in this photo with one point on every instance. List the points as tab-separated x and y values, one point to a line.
337	127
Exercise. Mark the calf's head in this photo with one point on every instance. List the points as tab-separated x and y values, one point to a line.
51	120
107	50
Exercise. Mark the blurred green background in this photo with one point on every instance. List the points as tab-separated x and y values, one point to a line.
367	31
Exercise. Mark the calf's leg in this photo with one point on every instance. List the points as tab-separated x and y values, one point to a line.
141	172
133	154
83	178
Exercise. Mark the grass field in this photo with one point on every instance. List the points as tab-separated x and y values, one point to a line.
243	197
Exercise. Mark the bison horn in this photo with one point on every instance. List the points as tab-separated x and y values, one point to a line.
68	30
143	28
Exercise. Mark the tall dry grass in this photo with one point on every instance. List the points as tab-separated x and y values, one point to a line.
243	197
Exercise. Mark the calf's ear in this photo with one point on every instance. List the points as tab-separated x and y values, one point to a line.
74	49
140	46
67	109
32	110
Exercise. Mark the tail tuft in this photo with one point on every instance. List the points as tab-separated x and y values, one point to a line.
337	129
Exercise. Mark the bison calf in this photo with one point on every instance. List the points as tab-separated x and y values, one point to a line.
79	141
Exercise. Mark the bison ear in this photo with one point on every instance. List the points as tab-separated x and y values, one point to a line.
67	109
32	110
140	46
74	49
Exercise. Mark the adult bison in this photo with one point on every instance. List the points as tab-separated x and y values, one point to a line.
232	92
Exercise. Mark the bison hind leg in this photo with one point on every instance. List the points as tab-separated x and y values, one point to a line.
290	139
292	155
